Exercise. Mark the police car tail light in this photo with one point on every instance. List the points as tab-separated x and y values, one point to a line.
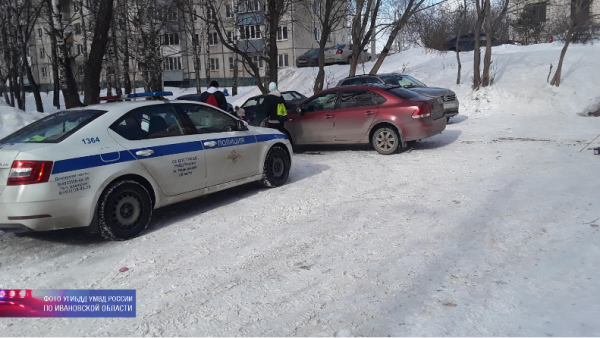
29	172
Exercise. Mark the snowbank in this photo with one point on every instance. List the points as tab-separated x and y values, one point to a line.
12	119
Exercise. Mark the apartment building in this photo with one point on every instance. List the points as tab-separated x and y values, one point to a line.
243	22
551	15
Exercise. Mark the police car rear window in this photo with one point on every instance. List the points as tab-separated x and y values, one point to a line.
54	128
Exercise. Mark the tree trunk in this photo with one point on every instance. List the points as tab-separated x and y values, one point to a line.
476	51
556	78
487	60
68	84
459	68
387	47
27	67
83	32
207	54
53	46
320	80
93	65
115	44
272	50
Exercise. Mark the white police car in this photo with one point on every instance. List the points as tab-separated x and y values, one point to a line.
109	165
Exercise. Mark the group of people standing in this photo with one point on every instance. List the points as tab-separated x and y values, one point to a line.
273	104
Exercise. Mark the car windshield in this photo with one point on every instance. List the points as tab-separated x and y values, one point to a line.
253	102
54	128
404	80
288	96
311	52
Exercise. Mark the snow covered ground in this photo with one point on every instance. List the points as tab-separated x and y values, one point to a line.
491	228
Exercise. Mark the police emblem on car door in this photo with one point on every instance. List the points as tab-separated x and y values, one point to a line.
231	154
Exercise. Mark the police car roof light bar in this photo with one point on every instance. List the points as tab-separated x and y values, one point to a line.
134	96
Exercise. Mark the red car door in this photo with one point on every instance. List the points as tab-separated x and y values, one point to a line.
355	114
314	122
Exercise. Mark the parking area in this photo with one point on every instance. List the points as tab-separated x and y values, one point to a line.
465	233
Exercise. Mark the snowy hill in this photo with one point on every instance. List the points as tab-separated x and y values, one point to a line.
488	229
519	72
12	119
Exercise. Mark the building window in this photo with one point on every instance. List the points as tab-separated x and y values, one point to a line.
76	7
170	39
44	72
282	33
229	36
213	39
317	7
210	15
172	15
79	49
250	32
77	28
229	11
283	60
42	53
197	63
538	11
214	65
249	6
173	63
40	32
257	61
230	63
196	40
317	34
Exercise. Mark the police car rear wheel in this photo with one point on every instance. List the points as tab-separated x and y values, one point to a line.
124	210
277	168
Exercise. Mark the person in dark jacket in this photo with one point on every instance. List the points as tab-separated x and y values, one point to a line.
274	107
214	96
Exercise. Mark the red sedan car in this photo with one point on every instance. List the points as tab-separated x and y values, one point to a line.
386	116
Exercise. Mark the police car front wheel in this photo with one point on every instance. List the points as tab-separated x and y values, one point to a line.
124	210
277	167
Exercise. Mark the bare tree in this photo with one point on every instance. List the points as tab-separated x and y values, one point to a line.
577	22
492	22
93	65
330	15
410	8
364	24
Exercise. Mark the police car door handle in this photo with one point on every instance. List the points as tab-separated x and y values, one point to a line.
369	113
328	116
210	144
146	152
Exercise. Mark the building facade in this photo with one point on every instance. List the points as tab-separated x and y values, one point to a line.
191	43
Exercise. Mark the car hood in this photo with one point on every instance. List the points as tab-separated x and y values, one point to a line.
431	91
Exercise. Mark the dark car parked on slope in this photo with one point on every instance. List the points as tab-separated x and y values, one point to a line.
467	43
385	116
448	97
308	59
252	106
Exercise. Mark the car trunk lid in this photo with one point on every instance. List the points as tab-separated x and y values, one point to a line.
435	104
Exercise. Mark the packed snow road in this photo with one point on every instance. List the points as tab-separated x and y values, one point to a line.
487	229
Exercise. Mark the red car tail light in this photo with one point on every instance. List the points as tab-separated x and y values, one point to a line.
29	172
340	51
422	112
